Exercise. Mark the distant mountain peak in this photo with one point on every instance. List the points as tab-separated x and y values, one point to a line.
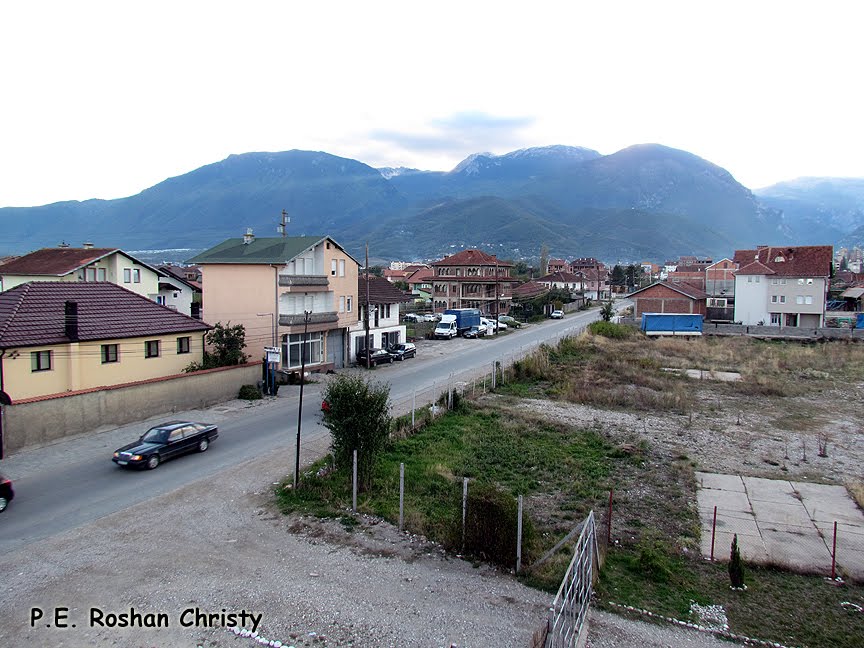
475	163
392	172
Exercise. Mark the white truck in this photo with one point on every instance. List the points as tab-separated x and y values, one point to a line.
446	328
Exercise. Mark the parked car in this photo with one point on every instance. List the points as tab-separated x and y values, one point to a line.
376	357
475	331
413	317
7	493
165	441
429	317
509	321
557	314
402	351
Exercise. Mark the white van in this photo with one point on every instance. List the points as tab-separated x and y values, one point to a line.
446	328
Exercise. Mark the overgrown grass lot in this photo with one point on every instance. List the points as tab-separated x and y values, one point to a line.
603	412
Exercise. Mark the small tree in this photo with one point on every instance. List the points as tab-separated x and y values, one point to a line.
228	343
607	311
357	415
736	566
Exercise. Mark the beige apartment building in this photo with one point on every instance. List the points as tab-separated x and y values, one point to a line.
277	288
472	279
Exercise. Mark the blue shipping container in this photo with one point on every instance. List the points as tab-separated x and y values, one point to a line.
671	324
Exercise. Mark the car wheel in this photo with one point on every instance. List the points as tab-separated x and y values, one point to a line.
152	462
3	504
203	444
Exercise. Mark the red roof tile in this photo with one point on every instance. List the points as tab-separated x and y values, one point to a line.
471	257
55	262
33	314
529	289
381	291
801	261
688	290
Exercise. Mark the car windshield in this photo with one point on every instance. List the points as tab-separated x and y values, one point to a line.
156	435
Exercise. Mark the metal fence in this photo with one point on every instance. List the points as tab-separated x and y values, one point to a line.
570	608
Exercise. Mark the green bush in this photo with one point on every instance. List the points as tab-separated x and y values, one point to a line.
609	330
249	392
491	524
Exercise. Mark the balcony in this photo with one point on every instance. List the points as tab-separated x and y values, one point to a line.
307	282
314	318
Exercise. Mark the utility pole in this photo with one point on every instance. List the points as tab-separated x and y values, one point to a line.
497	303
366	316
303	350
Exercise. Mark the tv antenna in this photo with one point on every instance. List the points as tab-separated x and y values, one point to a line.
283	226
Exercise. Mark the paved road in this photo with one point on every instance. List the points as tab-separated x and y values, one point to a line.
73	482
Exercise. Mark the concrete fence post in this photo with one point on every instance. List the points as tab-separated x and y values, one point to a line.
713	533
519	536
354	485
401	496
464	508
834	553
413	406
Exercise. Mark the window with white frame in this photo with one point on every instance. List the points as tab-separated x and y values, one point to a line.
136	276
332	267
774	299
775	319
127	275
312	348
348	304
782	299
342	303
799	299
341	267
808	299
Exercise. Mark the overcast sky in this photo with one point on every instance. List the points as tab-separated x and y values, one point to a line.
105	99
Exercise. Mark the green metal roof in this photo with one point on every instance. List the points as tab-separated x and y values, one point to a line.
260	250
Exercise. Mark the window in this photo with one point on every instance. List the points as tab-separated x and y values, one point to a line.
182	345
90	274
386	308
313	349
342	304
782	299
799	299
160	299
800	282
749	279
757	279
348	303
109	353
151	349
808	299
127	275
341	267
40	360
775	281
773	299
809	282
775	319
332	267
136	275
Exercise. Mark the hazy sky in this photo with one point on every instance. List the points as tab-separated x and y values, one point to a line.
104	99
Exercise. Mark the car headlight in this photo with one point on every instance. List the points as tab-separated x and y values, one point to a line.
116	454
136	457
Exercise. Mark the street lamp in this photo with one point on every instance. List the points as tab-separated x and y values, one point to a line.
306	315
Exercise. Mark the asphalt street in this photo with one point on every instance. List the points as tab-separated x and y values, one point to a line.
73	482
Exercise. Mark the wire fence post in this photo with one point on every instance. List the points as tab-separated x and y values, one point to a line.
354	485
519	537
413	406
834	553
464	508
713	533
494	375
401	495
609	520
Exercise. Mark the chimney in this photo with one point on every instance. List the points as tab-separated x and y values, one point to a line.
248	237
70	320
63	244
87	245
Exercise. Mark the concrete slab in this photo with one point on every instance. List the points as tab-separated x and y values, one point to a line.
777	522
720	482
751	547
826	503
725	501
769	490
792	514
800	552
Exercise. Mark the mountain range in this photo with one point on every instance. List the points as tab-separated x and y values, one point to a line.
645	202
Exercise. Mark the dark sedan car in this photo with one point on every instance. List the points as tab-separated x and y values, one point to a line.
6	492
164	442
376	356
402	351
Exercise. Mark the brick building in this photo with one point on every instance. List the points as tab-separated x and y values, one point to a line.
665	297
